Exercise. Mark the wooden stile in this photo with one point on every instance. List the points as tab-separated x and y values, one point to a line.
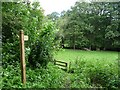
64	65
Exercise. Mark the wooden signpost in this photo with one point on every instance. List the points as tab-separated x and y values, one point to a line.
22	56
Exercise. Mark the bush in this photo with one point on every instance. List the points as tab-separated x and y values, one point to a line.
41	34
29	19
42	50
96	74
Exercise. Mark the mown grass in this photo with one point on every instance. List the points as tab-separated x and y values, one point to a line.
70	55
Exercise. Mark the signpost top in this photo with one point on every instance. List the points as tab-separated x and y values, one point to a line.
25	38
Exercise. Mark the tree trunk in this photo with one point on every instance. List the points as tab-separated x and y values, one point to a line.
104	48
74	46
62	43
74	41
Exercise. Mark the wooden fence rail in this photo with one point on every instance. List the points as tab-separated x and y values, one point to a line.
63	65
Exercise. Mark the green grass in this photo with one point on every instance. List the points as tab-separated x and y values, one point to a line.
91	68
71	55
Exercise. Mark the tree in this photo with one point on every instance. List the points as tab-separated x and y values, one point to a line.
91	25
28	17
53	16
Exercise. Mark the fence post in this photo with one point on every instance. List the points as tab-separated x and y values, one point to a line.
22	57
66	64
54	61
69	65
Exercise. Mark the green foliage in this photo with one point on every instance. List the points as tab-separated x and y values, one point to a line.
91	25
51	77
29	18
41	34
94	74
9	55
83	73
42	51
11	75
53	16
38	49
91	69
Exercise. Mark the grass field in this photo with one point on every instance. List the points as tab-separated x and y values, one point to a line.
90	67
71	55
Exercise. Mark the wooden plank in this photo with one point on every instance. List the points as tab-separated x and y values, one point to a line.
54	62
22	58
65	69
69	65
60	65
60	61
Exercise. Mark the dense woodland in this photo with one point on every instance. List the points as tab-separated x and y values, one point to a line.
94	26
86	26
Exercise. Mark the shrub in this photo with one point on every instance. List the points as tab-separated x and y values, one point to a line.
28	18
42	50
96	74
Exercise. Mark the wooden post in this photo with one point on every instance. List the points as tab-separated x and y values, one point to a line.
22	58
54	61
69	65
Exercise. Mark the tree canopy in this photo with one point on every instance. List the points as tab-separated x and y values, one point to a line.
91	25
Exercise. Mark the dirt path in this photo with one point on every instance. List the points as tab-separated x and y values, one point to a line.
67	81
